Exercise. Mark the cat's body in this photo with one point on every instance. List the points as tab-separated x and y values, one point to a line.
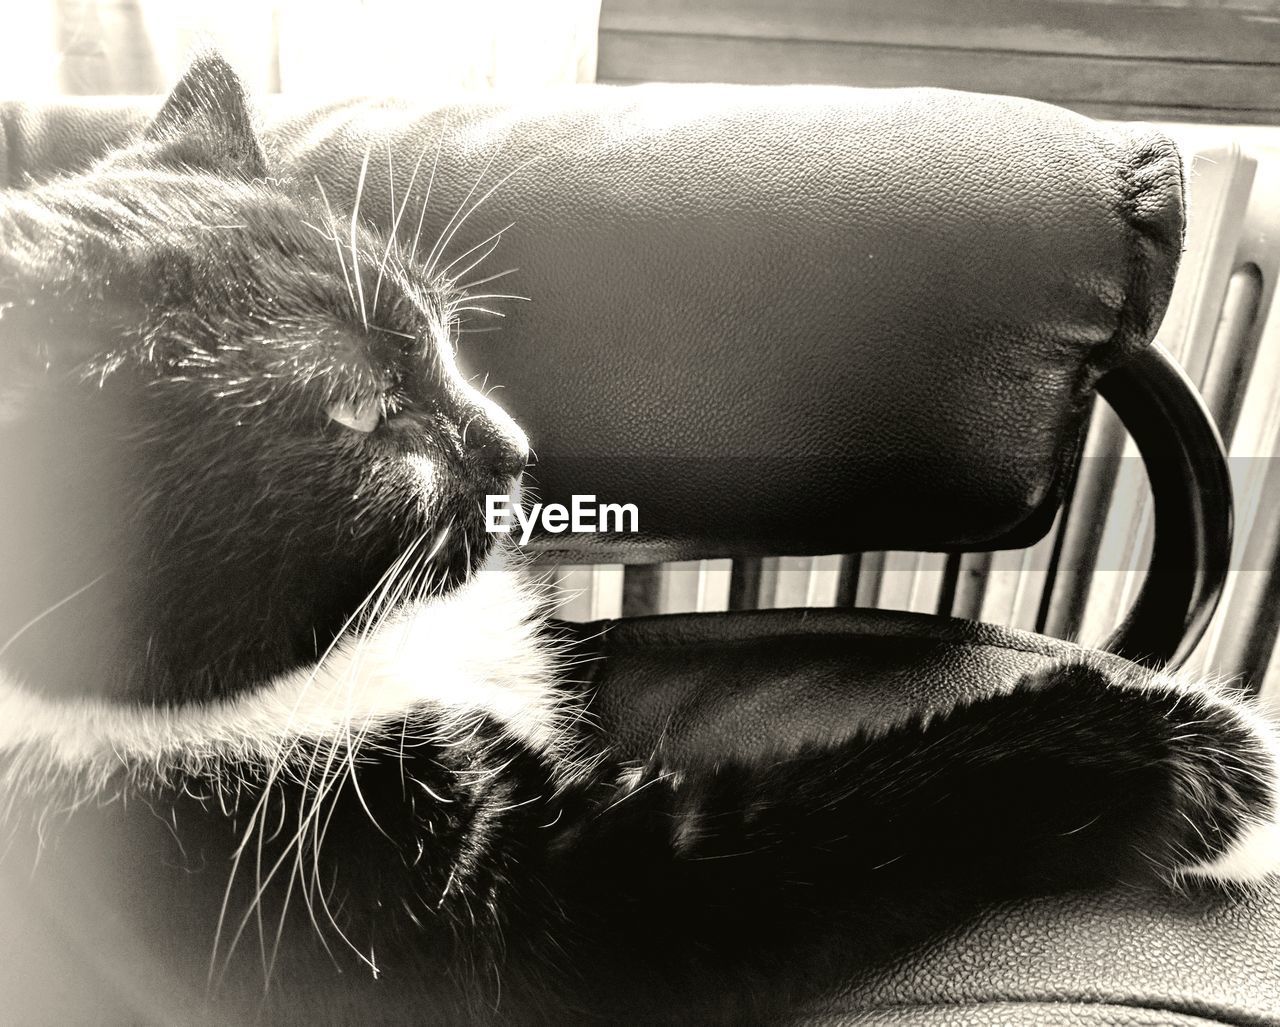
268	698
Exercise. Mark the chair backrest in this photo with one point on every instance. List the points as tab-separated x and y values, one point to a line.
783	321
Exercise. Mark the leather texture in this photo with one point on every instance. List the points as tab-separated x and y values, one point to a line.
836	311
749	684
699	686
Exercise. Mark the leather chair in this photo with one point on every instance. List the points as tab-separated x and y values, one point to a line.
793	320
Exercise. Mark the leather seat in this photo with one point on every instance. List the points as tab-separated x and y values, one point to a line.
798	321
709	684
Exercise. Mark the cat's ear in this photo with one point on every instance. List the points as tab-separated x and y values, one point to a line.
206	123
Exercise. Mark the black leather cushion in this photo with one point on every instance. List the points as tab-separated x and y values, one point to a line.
699	686
1079	959
791	320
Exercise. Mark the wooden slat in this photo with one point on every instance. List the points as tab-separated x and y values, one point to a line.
897	576
1018	26
1052	77
1036	580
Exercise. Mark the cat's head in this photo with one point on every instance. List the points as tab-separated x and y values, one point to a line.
228	415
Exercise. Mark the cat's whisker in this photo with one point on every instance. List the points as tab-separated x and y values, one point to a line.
277	767
392	331
329	778
294	878
355	255
387	602
267	967
404	201
353	777
342	261
306	821
447	231
279	828
426	199
451	229
391	195
464	286
393	235
50	610
384	600
440	540
492	242
385	605
496	296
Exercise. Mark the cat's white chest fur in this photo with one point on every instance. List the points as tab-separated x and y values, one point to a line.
474	651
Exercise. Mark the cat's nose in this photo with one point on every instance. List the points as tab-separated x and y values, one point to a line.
504	455
497	444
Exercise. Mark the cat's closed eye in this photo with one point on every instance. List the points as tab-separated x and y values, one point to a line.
362	415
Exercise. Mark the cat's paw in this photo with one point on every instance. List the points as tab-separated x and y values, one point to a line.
1245	839
1196	767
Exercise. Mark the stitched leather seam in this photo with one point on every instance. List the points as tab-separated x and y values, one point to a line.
1134	317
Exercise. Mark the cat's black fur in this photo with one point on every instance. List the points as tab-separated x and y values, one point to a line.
209	318
176	323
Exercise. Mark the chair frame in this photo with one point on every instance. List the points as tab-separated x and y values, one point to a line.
1186	465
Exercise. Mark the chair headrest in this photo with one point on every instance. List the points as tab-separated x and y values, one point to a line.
777	319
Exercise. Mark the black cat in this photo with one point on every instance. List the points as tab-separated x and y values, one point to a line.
282	739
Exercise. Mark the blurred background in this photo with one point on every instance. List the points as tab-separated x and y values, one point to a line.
1208	71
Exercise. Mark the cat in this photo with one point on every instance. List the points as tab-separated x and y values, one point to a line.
287	735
